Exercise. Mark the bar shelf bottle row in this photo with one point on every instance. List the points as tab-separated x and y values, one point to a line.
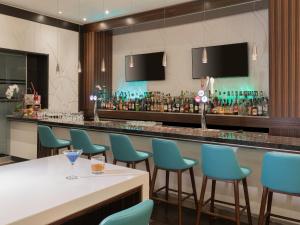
246	103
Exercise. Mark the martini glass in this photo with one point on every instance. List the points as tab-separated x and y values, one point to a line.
72	156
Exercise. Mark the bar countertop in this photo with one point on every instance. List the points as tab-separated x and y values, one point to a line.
36	192
255	140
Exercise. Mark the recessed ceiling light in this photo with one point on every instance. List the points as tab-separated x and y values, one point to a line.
106	11
59	12
84	19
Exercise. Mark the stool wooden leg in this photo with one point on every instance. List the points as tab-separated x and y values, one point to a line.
194	186
128	165
246	194
133	165
212	196
153	181
237	202
263	206
115	162
201	201
269	207
104	154
148	169
179	176
69	147
167	185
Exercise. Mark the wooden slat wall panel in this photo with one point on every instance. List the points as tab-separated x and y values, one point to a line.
104	51
284	64
96	45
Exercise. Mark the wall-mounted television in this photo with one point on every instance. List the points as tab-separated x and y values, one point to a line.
222	61
147	67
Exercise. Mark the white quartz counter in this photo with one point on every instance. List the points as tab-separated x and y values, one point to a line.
36	192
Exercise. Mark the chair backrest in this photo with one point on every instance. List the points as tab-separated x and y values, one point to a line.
46	136
281	172
122	148
81	140
166	154
137	215
220	162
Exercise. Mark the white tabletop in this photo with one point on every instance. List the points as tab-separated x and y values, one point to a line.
37	192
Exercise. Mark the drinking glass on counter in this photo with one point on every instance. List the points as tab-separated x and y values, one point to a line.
72	156
97	164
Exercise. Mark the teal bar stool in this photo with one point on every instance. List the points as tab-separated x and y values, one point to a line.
48	140
280	174
137	215
124	151
219	163
81	140
167	157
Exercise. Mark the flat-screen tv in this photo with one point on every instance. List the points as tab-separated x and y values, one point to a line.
222	61
146	67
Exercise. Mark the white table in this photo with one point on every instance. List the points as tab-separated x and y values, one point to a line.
36	192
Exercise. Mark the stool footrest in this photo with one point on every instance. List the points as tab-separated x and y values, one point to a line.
172	190
243	208
284	218
188	195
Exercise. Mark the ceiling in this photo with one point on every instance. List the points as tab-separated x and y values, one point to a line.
92	10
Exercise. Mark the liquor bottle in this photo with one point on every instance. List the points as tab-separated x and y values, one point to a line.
137	105
208	107
260	107
148	104
196	104
249	107
166	105
231	108
254	109
265	107
236	107
192	105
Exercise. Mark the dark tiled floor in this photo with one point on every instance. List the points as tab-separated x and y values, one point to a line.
167	215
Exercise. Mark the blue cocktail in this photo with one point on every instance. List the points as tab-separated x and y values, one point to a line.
72	156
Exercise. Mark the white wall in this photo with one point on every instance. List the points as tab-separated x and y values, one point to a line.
178	43
60	44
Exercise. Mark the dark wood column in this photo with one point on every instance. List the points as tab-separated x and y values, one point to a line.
96	46
284	19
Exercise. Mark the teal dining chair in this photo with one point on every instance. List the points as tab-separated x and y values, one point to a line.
219	163
280	174
81	140
123	151
48	140
167	157
137	215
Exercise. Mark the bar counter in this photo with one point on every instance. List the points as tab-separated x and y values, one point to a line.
232	138
252	147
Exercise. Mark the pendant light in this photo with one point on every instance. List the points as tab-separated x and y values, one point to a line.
103	66
254	47
103	69
57	45
204	52
79	68
131	59
57	68
164	60
254	52
204	56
